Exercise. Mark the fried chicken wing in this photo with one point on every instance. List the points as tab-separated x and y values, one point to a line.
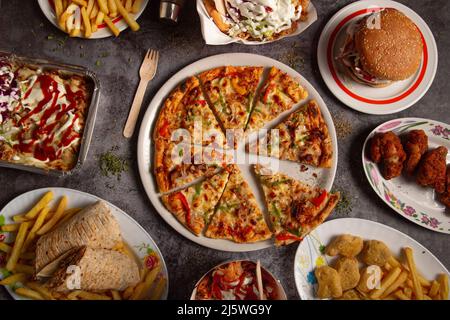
445	196
386	148
432	169
415	146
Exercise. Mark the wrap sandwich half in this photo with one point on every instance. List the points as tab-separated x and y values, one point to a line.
94	226
96	269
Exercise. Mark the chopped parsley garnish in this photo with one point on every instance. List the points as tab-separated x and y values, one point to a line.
112	165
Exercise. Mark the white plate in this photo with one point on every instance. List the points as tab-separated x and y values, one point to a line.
391	99
325	177
403	194
103	30
136	237
309	256
213	36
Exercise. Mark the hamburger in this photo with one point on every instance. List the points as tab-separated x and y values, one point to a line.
382	48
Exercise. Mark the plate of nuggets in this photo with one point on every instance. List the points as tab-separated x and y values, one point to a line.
407	164
357	259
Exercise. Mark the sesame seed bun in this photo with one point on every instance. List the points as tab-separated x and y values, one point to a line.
391	52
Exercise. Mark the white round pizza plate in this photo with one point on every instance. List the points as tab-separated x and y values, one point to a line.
103	30
138	240
391	99
309	253
403	194
313	176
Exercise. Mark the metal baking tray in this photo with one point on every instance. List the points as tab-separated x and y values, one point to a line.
91	112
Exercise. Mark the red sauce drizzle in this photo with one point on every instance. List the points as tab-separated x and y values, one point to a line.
44	150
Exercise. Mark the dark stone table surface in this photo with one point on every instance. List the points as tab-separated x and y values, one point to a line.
24	30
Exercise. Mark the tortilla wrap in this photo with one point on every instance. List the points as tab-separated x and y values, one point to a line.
94	226
99	269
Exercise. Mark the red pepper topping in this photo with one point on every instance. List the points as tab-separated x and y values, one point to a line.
164	129
317	201
287	236
186	207
269	89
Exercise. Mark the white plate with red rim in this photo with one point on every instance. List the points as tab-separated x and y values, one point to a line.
103	31
138	240
391	99
403	194
314	176
310	254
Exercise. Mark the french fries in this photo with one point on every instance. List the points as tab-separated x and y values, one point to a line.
45	292
39	206
129	20
84	17
443	289
12	279
17	248
28	293
85	295
414	276
37	225
10	227
136	6
55	218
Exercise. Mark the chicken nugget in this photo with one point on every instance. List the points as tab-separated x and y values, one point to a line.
415	146
351	295
386	149
370	279
375	253
432	169
345	245
348	271
329	282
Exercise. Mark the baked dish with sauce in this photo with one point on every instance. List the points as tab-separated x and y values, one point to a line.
42	115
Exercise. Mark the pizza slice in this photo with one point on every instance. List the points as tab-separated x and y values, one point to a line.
177	165
194	205
279	93
231	91
303	137
186	117
238	217
295	208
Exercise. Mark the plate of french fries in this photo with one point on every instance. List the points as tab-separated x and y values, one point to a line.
93	19
357	259
27	225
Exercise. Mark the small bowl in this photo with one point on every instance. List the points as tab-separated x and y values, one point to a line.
280	289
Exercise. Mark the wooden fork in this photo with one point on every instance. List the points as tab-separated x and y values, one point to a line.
146	73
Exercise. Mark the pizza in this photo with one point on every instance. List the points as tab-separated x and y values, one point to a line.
303	137
295	208
231	91
177	165
186	117
238	217
279	93
194	205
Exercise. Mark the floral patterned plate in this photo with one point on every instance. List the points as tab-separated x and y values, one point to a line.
310	251
403	194
138	240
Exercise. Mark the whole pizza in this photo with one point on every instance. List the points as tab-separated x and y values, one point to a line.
201	124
